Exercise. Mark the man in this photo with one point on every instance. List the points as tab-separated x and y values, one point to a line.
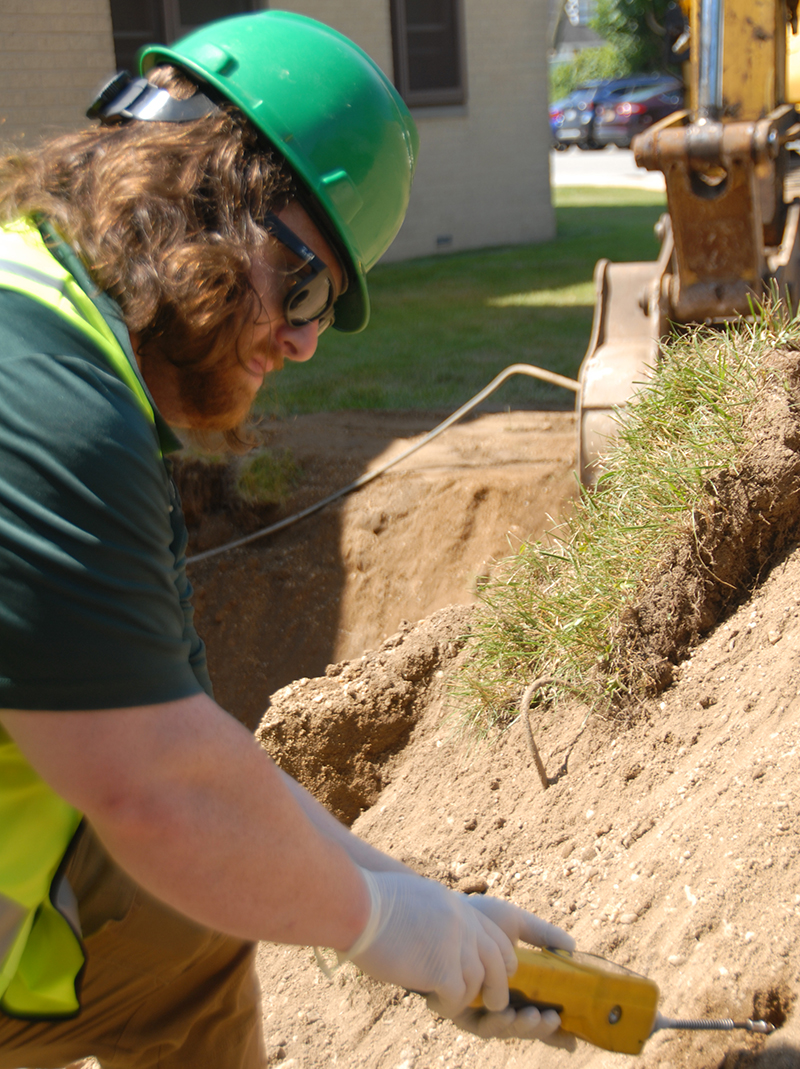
153	269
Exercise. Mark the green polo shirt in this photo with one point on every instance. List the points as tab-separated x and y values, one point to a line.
94	597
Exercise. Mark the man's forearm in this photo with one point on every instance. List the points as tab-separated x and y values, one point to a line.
188	803
368	857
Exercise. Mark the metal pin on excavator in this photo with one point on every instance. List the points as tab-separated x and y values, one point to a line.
732	232
600	1002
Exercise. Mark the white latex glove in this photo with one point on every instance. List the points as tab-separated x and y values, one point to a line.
519	925
526	1022
428	939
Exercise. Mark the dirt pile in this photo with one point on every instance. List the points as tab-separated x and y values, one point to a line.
338	735
670	845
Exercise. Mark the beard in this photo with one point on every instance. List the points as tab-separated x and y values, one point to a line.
216	398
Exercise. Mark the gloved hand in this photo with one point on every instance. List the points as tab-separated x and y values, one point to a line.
528	1022
525	1023
518	924
428	939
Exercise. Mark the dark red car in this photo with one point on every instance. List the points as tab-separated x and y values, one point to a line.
617	121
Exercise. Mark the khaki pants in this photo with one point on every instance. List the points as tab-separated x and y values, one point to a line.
158	990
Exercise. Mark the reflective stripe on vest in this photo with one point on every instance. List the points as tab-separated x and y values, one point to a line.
41	952
41	957
27	267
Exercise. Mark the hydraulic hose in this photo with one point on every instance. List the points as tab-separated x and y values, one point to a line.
367	477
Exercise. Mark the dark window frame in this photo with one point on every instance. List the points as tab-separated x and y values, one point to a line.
160	24
172	17
438	96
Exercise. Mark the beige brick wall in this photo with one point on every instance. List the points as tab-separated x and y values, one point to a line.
483	176
53	54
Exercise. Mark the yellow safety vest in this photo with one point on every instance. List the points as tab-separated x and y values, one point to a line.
41	955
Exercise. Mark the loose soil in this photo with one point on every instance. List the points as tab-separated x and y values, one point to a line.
668	839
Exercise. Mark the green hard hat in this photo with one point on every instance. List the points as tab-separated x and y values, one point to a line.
330	111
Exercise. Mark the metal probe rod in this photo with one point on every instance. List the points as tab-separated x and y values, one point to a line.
724	1025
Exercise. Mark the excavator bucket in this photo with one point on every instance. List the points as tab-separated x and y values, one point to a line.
620	358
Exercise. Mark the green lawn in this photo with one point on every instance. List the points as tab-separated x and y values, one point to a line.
442	327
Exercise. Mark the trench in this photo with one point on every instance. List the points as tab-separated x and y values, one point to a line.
421	537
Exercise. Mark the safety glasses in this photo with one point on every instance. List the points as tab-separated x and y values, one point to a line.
312	293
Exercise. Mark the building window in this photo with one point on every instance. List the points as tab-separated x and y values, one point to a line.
428	51
143	22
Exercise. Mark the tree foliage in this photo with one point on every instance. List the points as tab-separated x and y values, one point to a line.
603	62
640	31
638	35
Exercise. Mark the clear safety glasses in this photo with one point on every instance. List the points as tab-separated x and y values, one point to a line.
313	292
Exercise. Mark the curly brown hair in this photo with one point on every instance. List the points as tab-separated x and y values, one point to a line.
166	216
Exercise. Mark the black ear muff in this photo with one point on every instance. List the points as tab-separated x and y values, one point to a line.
124	98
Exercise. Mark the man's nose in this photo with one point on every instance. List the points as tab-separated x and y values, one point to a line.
297	343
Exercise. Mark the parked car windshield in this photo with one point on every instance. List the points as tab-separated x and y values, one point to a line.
583	96
664	89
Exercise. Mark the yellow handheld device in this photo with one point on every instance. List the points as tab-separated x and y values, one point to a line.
601	1002
598	1001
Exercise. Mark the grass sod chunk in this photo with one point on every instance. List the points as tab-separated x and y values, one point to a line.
680	526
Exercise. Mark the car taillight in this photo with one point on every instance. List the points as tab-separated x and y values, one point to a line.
630	109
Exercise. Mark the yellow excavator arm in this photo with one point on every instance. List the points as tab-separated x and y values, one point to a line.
732	230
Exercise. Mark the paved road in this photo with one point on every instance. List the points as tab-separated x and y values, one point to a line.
605	167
